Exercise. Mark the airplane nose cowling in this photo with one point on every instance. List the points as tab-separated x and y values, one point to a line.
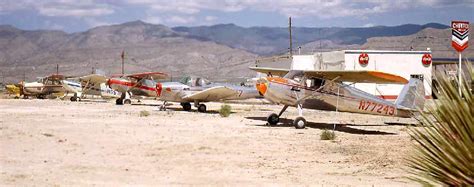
262	86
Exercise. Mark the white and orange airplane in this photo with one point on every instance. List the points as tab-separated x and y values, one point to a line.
331	90
139	84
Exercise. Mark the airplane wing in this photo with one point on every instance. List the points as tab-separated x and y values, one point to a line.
56	77
94	78
272	71
211	94
358	76
152	75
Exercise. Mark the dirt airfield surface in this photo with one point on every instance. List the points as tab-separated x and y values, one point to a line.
54	142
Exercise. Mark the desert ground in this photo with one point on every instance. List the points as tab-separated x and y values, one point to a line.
55	142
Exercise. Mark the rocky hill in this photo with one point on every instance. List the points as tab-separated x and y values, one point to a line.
148	48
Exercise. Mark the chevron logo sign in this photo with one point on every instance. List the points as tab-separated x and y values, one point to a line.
460	30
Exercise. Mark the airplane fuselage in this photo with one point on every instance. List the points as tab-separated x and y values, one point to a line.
144	87
38	88
176	91
328	96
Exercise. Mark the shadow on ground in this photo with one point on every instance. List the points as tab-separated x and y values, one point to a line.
347	128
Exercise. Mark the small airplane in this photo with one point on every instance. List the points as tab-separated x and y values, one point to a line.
139	84
197	90
93	84
328	90
45	86
13	89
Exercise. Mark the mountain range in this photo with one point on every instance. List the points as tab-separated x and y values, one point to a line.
218	52
274	40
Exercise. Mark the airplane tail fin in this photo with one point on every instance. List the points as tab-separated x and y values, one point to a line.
412	95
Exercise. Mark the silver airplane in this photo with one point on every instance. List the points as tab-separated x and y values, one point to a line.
198	90
327	90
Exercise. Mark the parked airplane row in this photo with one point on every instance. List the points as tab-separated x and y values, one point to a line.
126	87
322	89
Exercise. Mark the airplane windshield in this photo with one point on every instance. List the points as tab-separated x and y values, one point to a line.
295	74
194	81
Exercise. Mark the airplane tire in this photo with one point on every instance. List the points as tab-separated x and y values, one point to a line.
299	123
186	106
162	108
127	101
119	101
273	119
73	98
202	108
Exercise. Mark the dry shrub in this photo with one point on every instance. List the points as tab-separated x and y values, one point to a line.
328	135
225	110
144	113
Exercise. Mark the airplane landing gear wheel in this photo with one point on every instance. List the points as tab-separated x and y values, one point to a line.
186	106
73	98
299	123
119	101
273	119
162	108
202	108
127	101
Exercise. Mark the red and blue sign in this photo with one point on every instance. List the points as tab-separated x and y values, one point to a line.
460	30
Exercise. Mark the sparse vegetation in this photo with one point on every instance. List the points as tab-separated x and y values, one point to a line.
144	113
444	149
47	135
328	135
225	110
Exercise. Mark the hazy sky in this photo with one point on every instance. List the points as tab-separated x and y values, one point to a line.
80	15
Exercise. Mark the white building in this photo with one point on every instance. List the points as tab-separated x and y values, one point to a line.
402	63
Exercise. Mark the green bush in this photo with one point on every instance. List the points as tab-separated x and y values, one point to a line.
144	113
225	110
444	148
328	135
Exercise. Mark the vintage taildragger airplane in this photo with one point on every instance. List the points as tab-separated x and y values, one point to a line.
46	86
92	84
197	90
139	84
326	90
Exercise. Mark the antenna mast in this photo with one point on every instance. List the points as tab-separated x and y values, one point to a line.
123	61
57	69
291	41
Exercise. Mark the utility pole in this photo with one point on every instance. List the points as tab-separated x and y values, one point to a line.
123	61
57	69
291	41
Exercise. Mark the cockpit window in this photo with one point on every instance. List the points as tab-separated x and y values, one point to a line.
195	81
202	82
295	74
186	81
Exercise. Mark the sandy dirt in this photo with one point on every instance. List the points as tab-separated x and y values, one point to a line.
54	142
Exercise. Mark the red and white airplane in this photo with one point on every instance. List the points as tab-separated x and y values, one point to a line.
139	84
